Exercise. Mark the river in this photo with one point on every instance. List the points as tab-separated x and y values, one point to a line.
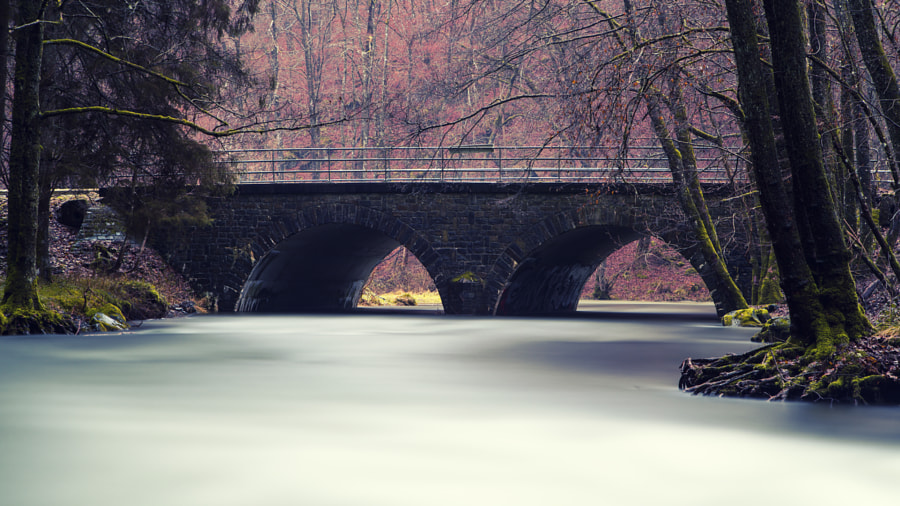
376	409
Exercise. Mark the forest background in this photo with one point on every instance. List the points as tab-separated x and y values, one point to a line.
607	76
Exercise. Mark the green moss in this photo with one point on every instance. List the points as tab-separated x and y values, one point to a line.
136	300
63	296
840	388
20	321
467	277
770	292
142	299
750	317
774	331
83	297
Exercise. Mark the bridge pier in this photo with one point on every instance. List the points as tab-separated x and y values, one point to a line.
490	249
464	296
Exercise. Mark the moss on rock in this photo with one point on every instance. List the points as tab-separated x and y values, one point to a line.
467	277
113	312
108	318
104	323
144	301
750	317
775	330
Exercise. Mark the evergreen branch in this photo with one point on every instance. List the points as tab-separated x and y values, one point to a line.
178	85
255	128
108	56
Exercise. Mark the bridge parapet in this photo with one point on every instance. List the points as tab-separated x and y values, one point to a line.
468	164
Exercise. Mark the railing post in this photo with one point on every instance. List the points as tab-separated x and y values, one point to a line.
558	165
272	152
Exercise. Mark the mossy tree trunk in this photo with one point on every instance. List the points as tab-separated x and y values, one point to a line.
20	290
812	193
820	292
883	76
732	297
679	150
689	172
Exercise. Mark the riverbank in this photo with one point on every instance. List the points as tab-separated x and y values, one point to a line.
86	276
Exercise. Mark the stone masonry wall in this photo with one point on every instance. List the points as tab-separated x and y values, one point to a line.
471	238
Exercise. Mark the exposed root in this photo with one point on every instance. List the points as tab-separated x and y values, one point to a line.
21	322
864	372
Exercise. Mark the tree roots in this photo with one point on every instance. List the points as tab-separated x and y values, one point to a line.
20	321
864	372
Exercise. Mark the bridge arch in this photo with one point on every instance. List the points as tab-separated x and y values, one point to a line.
319	259
544	273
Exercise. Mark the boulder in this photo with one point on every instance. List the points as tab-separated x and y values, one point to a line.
775	330
71	213
750	317
405	299
104	323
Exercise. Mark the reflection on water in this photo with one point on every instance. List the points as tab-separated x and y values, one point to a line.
374	409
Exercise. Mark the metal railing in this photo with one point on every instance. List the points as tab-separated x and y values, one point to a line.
468	164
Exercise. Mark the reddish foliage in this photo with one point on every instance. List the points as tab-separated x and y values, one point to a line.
656	274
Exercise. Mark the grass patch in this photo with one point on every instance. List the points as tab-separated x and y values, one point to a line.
390	298
81	298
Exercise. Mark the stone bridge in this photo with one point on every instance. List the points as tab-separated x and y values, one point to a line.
515	249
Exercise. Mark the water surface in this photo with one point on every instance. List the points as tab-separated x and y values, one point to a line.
382	409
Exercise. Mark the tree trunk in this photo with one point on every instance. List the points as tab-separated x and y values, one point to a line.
680	156
732	296
823	101
685	144
4	53
883	77
819	318
20	290
45	194
812	194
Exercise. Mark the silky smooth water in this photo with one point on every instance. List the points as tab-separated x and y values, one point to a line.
386	409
